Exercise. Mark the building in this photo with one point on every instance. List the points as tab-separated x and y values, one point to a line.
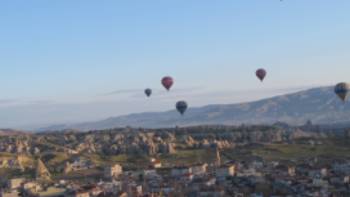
324	172
291	171
15	183
9	194
82	194
199	169
78	164
156	163
226	170
113	171
180	171
32	186
218	157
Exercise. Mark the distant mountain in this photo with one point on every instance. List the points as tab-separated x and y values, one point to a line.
320	105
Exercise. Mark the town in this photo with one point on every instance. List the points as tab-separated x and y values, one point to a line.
250	178
194	161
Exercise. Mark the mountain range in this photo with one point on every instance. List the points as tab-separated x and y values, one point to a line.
319	105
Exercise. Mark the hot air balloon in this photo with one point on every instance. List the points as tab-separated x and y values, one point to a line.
148	92
261	74
342	89
167	82
181	107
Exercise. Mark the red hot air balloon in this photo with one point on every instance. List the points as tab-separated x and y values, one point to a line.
261	74
167	82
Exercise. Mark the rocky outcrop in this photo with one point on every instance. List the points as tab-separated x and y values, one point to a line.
152	142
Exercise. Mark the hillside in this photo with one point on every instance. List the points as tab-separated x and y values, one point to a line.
320	105
10	132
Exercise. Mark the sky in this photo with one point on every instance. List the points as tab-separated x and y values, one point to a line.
72	61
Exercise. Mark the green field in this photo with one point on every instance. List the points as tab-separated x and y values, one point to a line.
299	151
189	157
6	155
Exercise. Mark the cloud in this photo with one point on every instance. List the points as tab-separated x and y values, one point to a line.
135	93
8	101
24	102
123	91
31	113
39	102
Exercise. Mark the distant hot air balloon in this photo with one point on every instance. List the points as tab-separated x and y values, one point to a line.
167	82
342	89
148	92
261	74
181	107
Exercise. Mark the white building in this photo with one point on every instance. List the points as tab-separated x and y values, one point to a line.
9	194
32	186
16	183
291	171
227	170
156	163
82	194
180	171
113	171
200	169
324	172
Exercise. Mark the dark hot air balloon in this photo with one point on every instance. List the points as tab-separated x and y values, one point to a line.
342	89
148	92
261	74
181	107
167	82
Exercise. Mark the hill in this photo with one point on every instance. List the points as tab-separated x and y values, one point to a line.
10	132
320	105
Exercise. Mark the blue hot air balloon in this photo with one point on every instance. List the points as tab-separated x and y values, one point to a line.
148	92
342	90
181	107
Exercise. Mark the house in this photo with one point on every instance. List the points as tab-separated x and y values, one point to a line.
199	169
112	187
210	181
150	173
78	164
82	194
96	191
180	171
341	168
113	171
16	183
156	163
134	189
187	177
291	171
324	172
226	170
9	194
49	192
124	194
212	192
32	186
319	182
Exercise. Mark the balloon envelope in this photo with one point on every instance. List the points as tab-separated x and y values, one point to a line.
167	82
181	107
261	74
342	90
148	92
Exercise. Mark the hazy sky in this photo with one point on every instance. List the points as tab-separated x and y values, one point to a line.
67	61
